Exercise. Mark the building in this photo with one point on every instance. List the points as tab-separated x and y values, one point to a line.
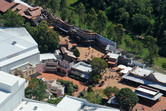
111	59
47	57
124	69
68	55
148	93
24	71
63	68
69	103
18	48
82	70
11	91
55	88
12	99
146	77
5	5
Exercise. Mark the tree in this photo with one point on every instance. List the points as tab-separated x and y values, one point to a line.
101	22
98	67
54	101
76	52
12	19
54	5
36	89
93	97
89	89
140	23
126	98
80	9
47	39
129	43
91	18
108	91
164	65
64	14
152	47
63	4
119	30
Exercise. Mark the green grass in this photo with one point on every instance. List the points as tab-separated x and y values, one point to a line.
71	1
159	61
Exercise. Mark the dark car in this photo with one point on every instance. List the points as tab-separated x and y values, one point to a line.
101	83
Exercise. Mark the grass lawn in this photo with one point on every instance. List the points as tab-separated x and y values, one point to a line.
158	62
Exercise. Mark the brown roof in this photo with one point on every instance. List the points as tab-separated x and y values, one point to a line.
5	5
109	62
33	12
20	8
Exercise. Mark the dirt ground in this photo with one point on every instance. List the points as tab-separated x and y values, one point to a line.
85	52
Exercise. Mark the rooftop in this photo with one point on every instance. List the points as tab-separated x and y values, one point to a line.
82	67
140	71
14	42
47	56
5	5
113	55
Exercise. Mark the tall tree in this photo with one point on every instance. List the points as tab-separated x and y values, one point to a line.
152	47
127	99
54	5
98	67
63	4
36	89
119	32
101	22
80	9
12	19
64	13
91	18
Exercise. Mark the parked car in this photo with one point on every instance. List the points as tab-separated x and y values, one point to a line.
101	83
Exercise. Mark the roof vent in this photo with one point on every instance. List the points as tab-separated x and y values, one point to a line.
14	42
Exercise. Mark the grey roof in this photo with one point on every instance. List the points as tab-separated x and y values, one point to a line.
82	66
15	41
145	82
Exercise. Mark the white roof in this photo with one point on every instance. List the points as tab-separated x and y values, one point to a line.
113	55
14	41
9	84
23	3
124	68
146	91
140	71
82	67
160	77
30	105
69	104
47	56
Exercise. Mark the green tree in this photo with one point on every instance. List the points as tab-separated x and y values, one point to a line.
101	22
76	52
12	19
119	30
54	5
90	89
98	67
93	97
129	43
108	91
152	48
80	9
91	18
63	4
127	99
36	89
64	13
164	65
140	23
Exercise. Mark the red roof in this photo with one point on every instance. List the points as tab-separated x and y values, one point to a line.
5	5
20	8
33	12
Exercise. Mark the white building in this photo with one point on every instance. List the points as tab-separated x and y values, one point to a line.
12	99
11	91
17	47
